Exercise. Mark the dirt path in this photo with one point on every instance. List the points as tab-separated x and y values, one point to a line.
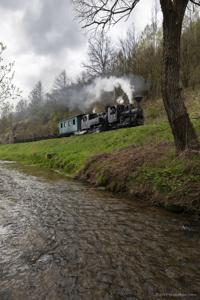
61	240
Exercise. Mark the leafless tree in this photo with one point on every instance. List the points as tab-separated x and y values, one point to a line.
125	59
154	21
100	55
21	106
107	12
61	82
8	91
36	95
103	12
129	44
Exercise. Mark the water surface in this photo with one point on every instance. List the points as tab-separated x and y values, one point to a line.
61	240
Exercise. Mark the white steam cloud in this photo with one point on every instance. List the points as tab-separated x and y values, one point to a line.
108	85
102	90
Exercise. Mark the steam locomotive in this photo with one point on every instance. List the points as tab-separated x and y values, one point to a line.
114	117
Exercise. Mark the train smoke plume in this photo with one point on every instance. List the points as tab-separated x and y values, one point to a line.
102	90
107	85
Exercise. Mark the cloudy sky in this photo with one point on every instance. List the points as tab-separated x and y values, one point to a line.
43	38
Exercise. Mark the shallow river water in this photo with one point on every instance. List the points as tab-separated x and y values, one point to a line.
61	240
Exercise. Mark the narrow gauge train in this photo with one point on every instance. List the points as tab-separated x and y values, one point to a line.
116	116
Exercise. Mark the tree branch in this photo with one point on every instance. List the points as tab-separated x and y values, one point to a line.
195	2
103	12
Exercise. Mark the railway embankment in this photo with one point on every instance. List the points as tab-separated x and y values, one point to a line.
140	162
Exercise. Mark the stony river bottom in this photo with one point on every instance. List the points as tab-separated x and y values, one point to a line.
62	240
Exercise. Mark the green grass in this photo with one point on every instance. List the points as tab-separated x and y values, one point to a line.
171	175
166	176
154	109
70	154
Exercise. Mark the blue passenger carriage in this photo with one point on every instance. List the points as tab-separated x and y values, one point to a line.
70	126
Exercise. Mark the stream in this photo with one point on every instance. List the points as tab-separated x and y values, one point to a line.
62	240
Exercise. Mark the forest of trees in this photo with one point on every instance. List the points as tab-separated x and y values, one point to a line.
136	54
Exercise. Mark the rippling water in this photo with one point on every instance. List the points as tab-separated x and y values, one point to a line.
61	240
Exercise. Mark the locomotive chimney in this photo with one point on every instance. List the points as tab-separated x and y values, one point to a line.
138	99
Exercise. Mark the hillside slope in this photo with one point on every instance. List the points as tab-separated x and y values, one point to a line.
71	153
139	161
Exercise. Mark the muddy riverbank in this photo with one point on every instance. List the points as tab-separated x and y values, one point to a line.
60	239
153	174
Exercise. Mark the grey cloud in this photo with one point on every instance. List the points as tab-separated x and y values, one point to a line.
43	38
52	28
12	5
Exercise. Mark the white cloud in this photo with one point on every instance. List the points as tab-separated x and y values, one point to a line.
43	38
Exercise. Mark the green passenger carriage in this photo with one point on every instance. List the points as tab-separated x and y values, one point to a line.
69	126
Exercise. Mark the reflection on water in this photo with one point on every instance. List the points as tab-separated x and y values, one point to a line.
62	240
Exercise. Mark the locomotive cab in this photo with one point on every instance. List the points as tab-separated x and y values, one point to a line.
91	122
114	113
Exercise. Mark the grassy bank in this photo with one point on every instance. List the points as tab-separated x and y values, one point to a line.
138	161
70	154
152	172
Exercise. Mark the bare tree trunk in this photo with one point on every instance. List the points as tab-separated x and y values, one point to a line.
182	128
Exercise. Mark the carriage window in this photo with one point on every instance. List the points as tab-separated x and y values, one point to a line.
61	125
74	121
